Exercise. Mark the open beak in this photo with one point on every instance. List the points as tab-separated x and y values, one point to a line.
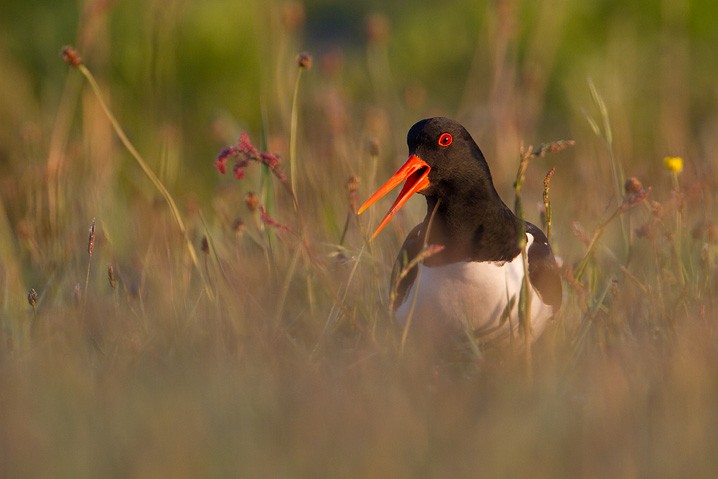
416	173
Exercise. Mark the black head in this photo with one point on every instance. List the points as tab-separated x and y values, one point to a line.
454	158
444	162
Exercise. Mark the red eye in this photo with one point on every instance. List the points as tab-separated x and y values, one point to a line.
445	139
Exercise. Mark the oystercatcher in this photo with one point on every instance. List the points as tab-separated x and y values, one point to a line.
473	283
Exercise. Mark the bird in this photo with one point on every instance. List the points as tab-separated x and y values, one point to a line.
472	280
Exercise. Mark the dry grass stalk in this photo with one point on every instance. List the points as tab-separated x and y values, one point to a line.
73	59
90	249
32	300
524	306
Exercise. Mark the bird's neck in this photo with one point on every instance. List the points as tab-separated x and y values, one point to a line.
472	225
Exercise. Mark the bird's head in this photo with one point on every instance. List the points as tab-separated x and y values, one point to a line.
442	157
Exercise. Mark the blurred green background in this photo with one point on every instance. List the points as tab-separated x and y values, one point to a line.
184	78
185	64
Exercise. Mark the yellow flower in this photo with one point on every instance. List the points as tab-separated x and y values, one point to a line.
674	164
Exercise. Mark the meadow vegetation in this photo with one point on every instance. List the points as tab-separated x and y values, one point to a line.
161	319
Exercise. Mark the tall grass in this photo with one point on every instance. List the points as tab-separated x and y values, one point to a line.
292	365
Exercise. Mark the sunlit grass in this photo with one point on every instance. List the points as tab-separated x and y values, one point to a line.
271	352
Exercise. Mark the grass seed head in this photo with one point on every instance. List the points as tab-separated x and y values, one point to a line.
632	186
70	56
635	192
91	238
352	186
251	199
221	162
245	152
32	297
547	179
269	221
373	147
111	276
304	60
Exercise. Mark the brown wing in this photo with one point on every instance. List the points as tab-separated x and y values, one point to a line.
411	247
543	269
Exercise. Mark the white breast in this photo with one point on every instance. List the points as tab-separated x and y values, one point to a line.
471	295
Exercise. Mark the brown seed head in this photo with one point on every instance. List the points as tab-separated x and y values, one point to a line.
70	56
32	297
267	220
205	245
304	60
352	186
632	186
91	238
373	147
251	199
111	276
547	178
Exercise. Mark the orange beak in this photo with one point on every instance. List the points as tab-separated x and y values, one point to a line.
416	173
